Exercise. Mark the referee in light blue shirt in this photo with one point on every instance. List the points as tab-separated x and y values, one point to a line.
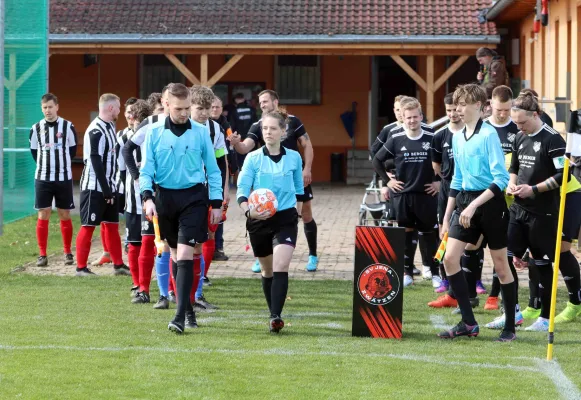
476	207
176	151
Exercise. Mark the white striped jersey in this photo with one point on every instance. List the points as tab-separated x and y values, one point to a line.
99	140
139	137
132	192
52	141
121	134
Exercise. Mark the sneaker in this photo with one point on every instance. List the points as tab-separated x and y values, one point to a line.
256	267
444	286
480	289
460	330
443	302
172	297
532	313
102	260
202	301
134	291
69	259
540	325
162	303
276	324
313	263
42	261
141	298
569	314
121	270
426	273
220	256
191	322
416	272
84	272
506	336
206	281
498	322
407	281
436	282
176	327
474	302
491	303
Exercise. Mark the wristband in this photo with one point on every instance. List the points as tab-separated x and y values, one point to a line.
535	189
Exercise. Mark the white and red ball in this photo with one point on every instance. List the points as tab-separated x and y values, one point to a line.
263	200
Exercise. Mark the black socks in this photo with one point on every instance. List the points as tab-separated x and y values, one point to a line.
569	268
279	291
311	234
545	286
470	264
184	282
411	245
429	242
534	293
267	288
460	287
509	298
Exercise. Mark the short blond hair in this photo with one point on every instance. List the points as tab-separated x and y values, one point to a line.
398	98
108	97
409	103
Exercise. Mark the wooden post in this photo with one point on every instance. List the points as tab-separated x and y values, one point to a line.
430	88
224	70
12	120
204	70
450	71
183	69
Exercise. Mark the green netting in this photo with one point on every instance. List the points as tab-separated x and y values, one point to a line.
25	72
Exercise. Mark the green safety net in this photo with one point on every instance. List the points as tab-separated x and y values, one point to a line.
25	81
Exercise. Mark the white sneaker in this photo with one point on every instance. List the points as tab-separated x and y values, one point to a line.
436	282
407	281
427	273
540	325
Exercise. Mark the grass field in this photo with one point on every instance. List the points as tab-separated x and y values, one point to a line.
71	338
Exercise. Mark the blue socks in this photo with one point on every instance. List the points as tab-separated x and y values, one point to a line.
199	290
162	272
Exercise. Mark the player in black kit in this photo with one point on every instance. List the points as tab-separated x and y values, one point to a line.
414	185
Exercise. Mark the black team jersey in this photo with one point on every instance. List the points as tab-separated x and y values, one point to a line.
382	138
535	159
413	162
442	152
506	134
294	130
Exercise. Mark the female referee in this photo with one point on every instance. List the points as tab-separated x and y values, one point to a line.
273	239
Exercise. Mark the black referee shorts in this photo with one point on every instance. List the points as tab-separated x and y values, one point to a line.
281	228
416	210
61	192
94	209
531	231
183	215
308	196
443	195
490	219
572	221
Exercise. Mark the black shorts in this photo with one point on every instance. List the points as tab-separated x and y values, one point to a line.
94	209
133	227
531	231
183	215
490	219
572	220
443	195
416	210
120	199
308	196
232	161
61	192
146	226
281	228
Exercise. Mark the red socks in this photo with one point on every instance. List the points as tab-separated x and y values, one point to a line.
113	241
208	249
104	238
84	245
146	260
42	235
67	234
197	273
134	251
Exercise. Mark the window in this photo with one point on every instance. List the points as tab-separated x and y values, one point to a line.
298	79
156	72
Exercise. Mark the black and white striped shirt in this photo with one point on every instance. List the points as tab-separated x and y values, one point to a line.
99	141
136	140
121	140
54	145
132	192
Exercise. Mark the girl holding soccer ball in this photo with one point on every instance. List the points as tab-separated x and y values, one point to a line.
275	174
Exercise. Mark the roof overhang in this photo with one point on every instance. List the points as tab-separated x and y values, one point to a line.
507	11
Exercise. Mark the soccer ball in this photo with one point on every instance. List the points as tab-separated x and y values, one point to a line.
263	200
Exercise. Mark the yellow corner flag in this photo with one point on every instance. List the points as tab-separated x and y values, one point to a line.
158	242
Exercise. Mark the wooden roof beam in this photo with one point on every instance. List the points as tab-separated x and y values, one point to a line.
183	69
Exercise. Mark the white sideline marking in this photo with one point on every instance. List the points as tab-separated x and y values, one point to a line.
439	323
565	387
286	352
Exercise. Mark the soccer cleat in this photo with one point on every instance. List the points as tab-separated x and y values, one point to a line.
531	313
141	298
172	297
569	314
426	273
499	322
443	302
460	330
416	272
134	291
256	267
191	322
506	336
220	256
69	259
407	281
436	282
276	324
491	303
206	281
540	325
205	305
102	260
42	261
121	270
444	286
176	327
162	303
480	289
313	263
84	272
